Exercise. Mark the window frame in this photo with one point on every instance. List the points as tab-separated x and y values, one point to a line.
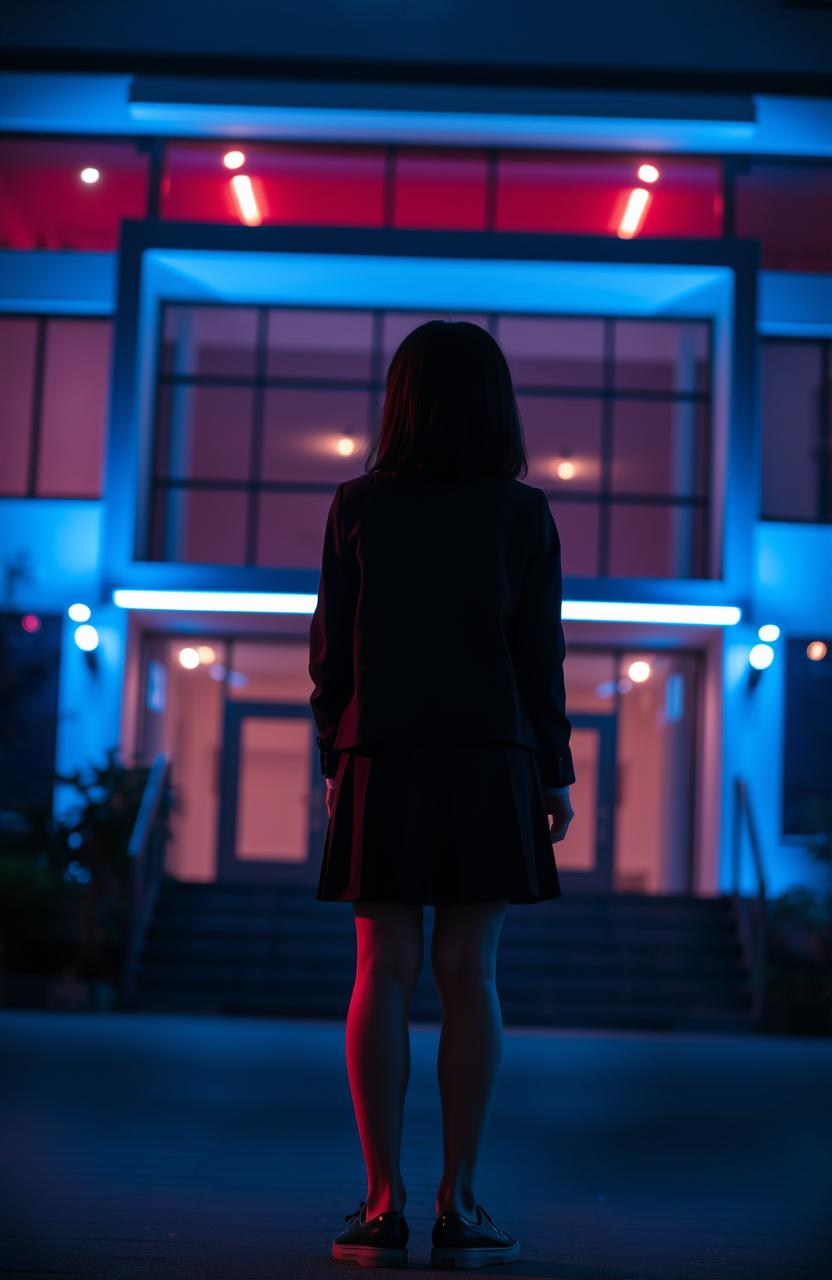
823	426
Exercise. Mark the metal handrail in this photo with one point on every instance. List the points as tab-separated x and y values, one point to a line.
752	920
146	849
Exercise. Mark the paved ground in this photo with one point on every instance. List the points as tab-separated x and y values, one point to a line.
150	1146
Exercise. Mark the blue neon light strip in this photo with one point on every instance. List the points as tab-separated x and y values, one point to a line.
696	615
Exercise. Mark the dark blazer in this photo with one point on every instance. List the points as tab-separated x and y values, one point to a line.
439	618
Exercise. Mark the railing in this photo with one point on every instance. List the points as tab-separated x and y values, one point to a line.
750	911
147	853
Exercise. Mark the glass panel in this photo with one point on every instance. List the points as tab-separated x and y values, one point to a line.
556	352
262	671
183	720
440	189
306	342
45	204
578	528
791	398
199	526
660	447
325	184
590	680
563	442
580	851
18	339
290	529
657	542
76	384
542	191
216	341
654	816
273	797
788	208
661	356
304	432
204	432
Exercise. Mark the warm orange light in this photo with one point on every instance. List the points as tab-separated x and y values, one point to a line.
816	651
566	470
648	173
206	654
234	159
247	206
633	219
345	446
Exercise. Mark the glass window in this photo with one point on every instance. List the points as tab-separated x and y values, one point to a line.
617	429
218	341
54	380
60	194
796	416
73	408
590	195
788	208
274	183
18	347
435	188
553	351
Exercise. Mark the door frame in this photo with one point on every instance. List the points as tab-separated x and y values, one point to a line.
230	868
600	879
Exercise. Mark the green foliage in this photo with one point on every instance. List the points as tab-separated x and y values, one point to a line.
65	883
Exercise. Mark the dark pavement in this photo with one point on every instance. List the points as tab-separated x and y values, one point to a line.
145	1145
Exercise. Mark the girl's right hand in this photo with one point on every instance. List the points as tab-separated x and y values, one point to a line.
562	813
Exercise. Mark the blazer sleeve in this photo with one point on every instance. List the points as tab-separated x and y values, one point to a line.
539	649
330	636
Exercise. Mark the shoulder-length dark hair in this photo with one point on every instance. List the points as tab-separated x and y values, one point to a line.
450	407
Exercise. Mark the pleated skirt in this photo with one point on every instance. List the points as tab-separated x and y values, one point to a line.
442	824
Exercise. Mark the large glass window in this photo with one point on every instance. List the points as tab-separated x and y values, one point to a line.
797	429
57	194
450	188
261	411
54	379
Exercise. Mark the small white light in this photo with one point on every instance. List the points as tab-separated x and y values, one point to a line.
639	671
566	470
816	651
234	159
761	656
769	632
188	658
345	446
79	612
648	173
90	176
86	637
206	654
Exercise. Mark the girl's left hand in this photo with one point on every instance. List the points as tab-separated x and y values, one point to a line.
330	795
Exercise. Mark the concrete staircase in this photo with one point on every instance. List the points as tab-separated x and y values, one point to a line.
602	961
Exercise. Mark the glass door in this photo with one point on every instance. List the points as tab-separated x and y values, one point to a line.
585	858
272	807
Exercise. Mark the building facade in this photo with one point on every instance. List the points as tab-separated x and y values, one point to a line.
201	287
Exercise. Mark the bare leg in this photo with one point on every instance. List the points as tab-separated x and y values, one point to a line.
463	960
388	961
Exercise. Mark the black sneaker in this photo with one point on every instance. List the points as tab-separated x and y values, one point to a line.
381	1242
470	1242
